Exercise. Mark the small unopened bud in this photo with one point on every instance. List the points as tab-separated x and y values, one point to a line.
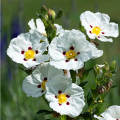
109	85
51	13
101	89
107	68
113	65
46	17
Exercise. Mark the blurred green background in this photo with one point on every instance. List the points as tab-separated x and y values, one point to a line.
15	16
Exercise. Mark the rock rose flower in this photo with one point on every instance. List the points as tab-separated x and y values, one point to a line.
27	49
71	49
64	97
98	26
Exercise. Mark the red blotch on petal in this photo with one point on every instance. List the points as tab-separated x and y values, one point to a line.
34	59
36	51
67	96
66	60
76	59
91	26
55	96
64	53
71	48
22	52
59	92
67	103
29	48
39	86
25	59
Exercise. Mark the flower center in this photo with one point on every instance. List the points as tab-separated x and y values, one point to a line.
96	30
70	54
30	54
62	98
43	84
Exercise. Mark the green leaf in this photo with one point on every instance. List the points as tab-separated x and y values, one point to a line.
89	64
82	84
91	80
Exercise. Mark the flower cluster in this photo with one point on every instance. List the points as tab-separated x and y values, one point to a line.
53	60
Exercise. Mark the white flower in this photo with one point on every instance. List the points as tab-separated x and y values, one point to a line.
37	26
98	26
64	97
27	49
71	49
112	113
35	84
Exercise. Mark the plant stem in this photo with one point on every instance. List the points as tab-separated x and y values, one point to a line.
63	117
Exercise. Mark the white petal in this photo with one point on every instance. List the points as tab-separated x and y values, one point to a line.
31	24
104	39
40	26
88	18
30	86
16	46
113	111
59	30
72	64
111	29
35	38
58	82
102	17
99	118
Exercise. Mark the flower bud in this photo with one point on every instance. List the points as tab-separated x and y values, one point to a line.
51	13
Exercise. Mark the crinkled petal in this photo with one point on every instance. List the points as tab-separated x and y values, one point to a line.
113	111
88	18
57	83
30	86
72	64
40	26
16	46
102	18
104	39
59	30
31	24
111	29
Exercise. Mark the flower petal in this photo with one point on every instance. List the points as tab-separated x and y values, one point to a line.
40	26
30	86
111	29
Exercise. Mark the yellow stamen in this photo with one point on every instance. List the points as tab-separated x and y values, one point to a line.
96	30
30	54
43	84
62	98
70	54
